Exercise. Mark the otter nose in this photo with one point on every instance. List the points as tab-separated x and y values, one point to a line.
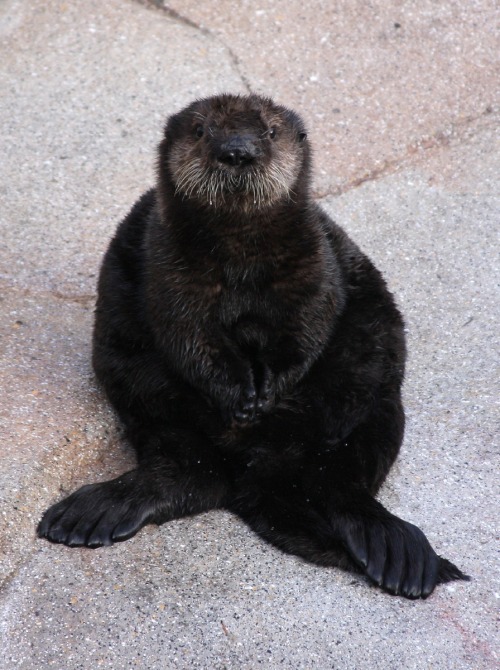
237	151
234	157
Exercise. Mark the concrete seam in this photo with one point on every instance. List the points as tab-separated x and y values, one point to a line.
416	151
62	487
83	299
185	20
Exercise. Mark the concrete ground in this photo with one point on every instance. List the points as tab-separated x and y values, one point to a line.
402	107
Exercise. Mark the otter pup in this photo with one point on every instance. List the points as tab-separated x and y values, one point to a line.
254	355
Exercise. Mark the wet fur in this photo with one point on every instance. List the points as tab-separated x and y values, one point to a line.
255	356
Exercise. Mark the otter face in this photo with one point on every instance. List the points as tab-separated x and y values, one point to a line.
235	152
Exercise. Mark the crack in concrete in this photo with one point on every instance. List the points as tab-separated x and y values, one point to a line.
174	14
10	576
79	298
412	153
415	152
82	299
64	478
185	20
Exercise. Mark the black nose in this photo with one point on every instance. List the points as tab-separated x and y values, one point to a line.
234	157
237	151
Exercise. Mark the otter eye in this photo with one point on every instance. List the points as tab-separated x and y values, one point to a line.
199	131
302	137
272	133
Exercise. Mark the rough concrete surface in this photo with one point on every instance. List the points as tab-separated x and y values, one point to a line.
401	101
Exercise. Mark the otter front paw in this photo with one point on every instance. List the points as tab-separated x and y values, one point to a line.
245	410
267	392
253	403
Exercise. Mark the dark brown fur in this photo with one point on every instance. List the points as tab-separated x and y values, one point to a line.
254	354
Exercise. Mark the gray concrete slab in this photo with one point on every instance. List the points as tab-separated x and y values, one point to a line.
84	90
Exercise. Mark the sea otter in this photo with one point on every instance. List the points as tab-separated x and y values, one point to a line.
254	354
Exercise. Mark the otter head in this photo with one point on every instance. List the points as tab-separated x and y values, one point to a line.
231	151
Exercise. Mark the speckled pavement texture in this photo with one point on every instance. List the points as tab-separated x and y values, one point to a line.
400	102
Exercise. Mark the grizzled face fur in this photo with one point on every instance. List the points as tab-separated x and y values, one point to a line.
235	152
